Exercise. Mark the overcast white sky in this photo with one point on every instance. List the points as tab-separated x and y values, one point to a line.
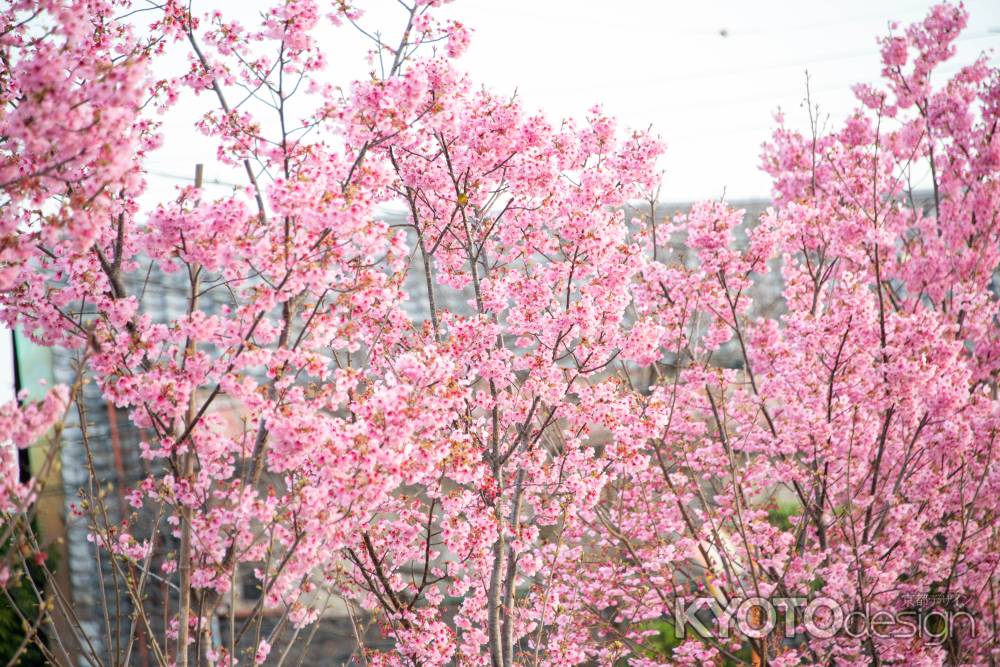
667	64
710	96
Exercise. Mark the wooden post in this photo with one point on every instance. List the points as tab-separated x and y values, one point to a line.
758	655
187	465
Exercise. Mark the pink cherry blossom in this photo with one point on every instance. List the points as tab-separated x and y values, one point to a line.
517	422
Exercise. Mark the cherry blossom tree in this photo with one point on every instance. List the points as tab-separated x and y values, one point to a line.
500	429
871	401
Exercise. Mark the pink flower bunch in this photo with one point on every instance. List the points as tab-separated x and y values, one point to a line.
510	425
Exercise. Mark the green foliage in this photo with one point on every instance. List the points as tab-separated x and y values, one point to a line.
12	630
780	513
666	640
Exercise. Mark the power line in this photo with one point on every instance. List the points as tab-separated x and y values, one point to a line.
190	179
719	73
784	95
823	25
722	30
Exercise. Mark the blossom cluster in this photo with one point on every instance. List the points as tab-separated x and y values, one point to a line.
529	466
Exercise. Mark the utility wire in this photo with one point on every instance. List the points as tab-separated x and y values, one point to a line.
731	71
722	31
179	177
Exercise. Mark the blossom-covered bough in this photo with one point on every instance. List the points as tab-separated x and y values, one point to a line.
537	468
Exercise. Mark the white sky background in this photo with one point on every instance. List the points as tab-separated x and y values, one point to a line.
6	367
710	97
